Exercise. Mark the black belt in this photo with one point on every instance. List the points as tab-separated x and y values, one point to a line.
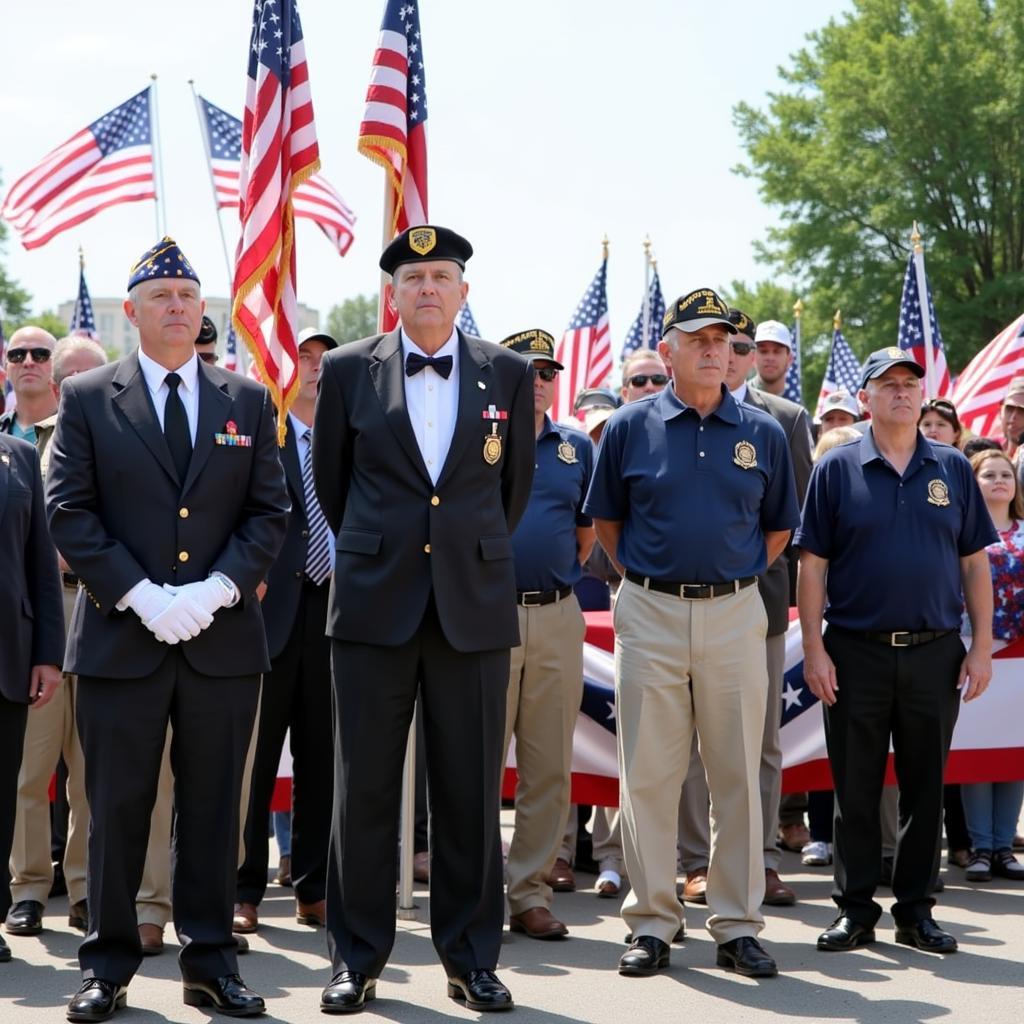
902	638
690	591
69	579
536	598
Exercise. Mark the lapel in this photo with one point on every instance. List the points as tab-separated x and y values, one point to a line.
214	404
292	468
753	397
132	397
388	376
5	477
474	369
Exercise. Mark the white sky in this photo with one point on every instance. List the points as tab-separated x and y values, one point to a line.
551	123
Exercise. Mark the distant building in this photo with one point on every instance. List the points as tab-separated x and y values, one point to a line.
118	336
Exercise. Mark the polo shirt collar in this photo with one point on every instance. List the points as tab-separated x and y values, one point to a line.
671	405
548	428
923	452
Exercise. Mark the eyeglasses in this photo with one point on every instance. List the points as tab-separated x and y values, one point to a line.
39	355
548	373
742	348
208	357
639	380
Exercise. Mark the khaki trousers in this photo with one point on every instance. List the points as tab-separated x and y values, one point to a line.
682	665
695	800
606	837
544	694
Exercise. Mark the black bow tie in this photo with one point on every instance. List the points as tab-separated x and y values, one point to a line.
414	362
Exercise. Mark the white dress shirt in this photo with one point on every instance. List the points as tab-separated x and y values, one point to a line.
433	403
740	394
188	389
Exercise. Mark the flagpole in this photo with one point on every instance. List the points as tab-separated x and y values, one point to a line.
930	383
386	236
798	312
647	290
161	220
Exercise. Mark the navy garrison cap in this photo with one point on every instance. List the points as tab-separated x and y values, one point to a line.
165	259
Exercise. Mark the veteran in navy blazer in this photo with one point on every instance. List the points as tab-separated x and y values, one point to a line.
167	498
423	455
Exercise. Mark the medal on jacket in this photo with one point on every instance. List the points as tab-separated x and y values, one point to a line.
492	446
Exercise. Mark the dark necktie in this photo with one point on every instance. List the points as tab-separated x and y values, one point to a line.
414	362
318	555
179	438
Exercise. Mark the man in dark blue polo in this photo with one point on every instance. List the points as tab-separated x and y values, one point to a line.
693	496
546	678
893	539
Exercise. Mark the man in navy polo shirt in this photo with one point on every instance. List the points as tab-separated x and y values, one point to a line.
893	541
546	677
693	496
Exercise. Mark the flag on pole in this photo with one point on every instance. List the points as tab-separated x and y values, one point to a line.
466	323
654	306
912	332
980	389
843	370
585	349
793	387
231	349
108	162
315	199
82	319
279	153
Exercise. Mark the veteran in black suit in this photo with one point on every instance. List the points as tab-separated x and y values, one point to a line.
32	612
423	453
166	497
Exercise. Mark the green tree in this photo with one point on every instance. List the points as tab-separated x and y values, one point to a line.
48	320
903	110
14	300
355	318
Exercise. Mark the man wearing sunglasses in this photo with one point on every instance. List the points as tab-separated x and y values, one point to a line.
206	341
643	373
30	371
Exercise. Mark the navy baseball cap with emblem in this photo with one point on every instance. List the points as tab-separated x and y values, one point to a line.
534	344
425	242
742	322
883	359
164	259
701	308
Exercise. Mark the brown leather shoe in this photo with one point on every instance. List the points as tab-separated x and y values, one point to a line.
246	919
776	892
538	923
695	888
152	938
314	914
284	870
794	837
561	878
421	866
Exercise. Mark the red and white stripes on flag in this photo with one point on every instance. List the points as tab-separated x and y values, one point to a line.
979	391
107	163
585	350
279	153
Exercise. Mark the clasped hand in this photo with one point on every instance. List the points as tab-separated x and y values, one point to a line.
175	614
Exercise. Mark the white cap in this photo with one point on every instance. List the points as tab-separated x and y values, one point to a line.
773	330
840	399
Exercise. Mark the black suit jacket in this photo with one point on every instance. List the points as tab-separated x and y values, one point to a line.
776	585
31	605
119	514
399	536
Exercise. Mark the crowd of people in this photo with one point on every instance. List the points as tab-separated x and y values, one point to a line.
418	552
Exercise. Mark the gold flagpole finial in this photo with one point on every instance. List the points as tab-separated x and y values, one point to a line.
798	308
654	263
647	247
915	239
837	321
604	247
81	259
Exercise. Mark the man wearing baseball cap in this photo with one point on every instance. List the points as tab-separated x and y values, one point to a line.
773	345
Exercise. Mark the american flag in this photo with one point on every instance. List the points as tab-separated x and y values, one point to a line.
654	302
793	389
911	330
315	199
465	321
279	153
585	350
980	389
843	370
106	163
82	319
231	350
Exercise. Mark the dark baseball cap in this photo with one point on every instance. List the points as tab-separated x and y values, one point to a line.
883	359
697	309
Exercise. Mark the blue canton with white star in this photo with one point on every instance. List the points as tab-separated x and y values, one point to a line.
273	35
124	126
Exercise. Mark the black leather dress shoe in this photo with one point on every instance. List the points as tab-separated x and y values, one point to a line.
926	935
97	1000
679	937
5	951
78	916
844	933
746	955
348	992
481	990
227	994
646	955
25	918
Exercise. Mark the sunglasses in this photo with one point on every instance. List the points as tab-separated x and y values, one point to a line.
639	380
548	373
742	348
942	404
39	355
208	357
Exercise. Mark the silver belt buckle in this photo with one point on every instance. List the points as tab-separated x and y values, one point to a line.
524	598
892	638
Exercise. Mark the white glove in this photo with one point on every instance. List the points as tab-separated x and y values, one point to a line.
182	619
146	599
209	594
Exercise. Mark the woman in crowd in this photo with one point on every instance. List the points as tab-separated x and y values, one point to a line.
940	422
993	808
